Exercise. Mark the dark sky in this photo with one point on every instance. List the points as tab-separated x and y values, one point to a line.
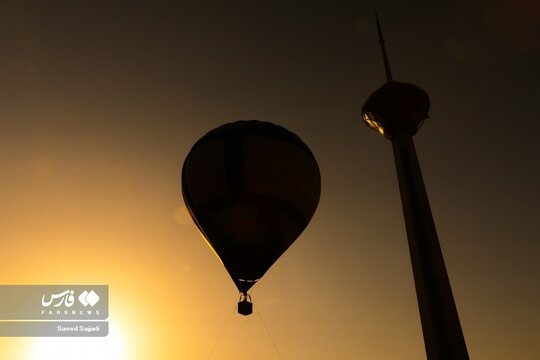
100	102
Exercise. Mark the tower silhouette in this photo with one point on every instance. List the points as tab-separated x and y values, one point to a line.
397	110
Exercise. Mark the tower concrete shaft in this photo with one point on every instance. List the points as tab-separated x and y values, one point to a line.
443	337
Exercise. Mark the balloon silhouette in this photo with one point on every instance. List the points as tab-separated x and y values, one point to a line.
251	187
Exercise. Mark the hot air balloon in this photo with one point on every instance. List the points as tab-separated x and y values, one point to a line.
251	188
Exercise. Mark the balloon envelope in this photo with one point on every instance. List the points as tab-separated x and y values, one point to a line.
251	187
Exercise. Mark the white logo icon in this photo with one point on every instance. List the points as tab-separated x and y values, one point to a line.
88	298
65	297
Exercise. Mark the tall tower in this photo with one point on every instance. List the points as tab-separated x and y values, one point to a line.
397	110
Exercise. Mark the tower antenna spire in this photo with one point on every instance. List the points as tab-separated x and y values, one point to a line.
383	49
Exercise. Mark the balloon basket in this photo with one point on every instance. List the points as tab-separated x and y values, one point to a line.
245	306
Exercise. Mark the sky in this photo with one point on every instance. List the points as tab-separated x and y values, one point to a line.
101	101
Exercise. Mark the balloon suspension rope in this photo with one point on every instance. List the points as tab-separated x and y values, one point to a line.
269	335
222	332
262	322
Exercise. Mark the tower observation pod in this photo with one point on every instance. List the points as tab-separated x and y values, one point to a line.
251	188
397	110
